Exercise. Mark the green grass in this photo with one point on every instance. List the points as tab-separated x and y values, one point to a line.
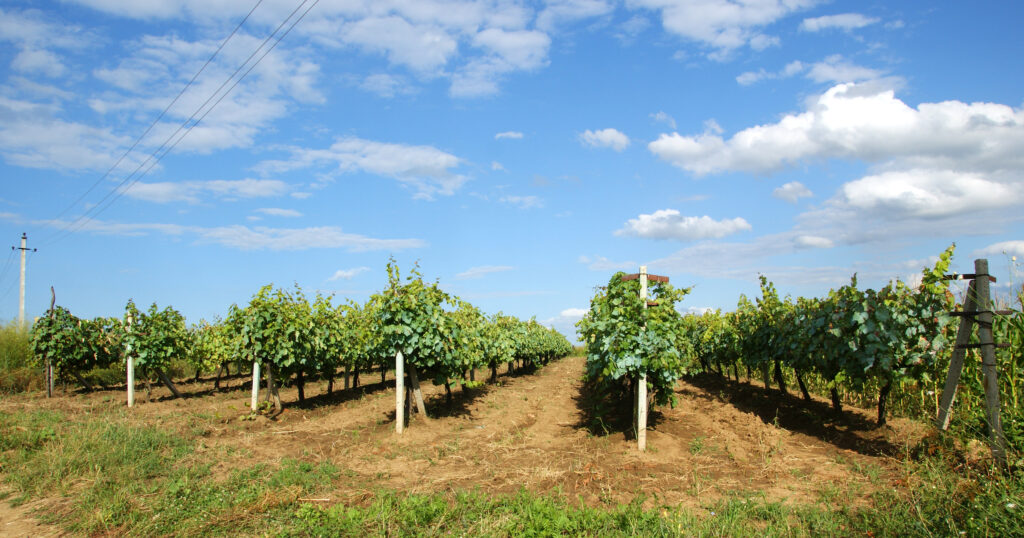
106	475
17	371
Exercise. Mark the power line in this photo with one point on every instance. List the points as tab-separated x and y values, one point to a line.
7	265
118	191
164	148
162	113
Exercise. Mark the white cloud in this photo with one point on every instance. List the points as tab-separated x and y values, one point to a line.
752	77
480	272
723	25
512	135
843	21
662	117
670	224
425	169
38	61
279	212
836	69
385	85
792	192
813	241
347	274
1010	248
520	49
497	167
561	11
246	238
523	202
833	69
927	194
866	122
32	137
605	138
422	47
151	74
193	191
601	263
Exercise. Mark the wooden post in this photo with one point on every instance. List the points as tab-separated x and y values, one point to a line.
49	359
414	380
255	386
641	387
956	363
988	362
399	393
130	363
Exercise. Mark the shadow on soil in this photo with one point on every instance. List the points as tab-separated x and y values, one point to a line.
816	418
605	416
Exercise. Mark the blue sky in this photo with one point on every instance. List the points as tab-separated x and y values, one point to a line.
521	152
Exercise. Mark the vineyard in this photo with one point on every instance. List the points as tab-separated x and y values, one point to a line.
804	416
292	340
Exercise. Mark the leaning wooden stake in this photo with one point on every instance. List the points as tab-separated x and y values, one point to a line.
414	380
956	363
977	311
399	393
641	388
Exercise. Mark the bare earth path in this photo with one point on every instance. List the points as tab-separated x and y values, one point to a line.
722	439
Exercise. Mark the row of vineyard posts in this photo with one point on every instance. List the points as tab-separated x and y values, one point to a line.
281	333
852	339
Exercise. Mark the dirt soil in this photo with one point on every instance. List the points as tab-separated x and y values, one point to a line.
533	431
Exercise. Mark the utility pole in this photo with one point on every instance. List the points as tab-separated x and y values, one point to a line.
21	293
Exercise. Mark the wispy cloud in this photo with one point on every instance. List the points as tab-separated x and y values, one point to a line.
347	274
483	270
523	202
514	135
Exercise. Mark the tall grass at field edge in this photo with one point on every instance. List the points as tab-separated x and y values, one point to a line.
18	371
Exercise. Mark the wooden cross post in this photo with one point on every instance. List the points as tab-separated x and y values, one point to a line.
641	381
977	311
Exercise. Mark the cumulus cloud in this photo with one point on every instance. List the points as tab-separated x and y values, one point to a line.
347	274
670	224
514	135
483	270
792	192
425	169
843	21
605	138
865	122
926	194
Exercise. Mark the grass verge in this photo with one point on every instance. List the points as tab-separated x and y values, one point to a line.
101	473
